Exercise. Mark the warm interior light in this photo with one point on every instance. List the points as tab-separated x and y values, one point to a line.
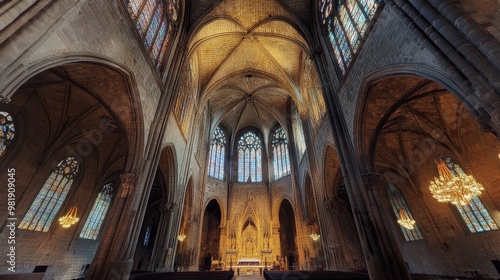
458	189
181	237
314	236
404	220
70	218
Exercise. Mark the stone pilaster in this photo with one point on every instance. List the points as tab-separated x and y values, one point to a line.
117	265
384	245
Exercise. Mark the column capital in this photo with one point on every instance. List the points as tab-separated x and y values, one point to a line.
128	181
4	100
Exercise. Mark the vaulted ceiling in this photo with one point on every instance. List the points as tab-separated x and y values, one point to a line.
249	60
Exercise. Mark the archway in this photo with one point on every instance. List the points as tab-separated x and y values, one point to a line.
150	229
64	112
314	255
249	240
418	121
160	202
210	234
183	253
288	236
347	246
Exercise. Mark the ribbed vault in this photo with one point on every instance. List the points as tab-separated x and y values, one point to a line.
250	59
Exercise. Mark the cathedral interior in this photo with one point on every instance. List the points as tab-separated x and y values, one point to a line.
195	135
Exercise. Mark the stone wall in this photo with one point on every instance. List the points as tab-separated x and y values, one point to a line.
448	247
39	35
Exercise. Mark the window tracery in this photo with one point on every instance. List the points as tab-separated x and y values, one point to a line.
49	200
7	131
398	202
156	21
249	158
98	213
217	154
346	23
475	215
281	159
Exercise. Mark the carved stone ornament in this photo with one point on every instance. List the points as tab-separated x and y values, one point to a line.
128	182
4	100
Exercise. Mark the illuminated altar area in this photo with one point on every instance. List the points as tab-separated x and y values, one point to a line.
251	238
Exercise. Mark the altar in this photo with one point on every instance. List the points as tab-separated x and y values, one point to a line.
249	266
248	262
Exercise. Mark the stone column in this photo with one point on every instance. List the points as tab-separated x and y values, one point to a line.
110	262
170	240
158	250
385	246
275	244
331	238
222	244
380	263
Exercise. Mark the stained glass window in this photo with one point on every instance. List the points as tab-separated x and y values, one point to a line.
281	159
98	213
155	21
475	215
298	133
50	198
398	202
249	158
147	235
346	23
217	154
6	131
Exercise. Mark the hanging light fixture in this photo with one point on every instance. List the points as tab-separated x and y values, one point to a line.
70	218
458	189
314	236
404	220
181	237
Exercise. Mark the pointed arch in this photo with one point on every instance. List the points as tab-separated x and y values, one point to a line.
125	109
399	205
475	215
281	156
249	149
288	233
98	212
346	23
49	200
217	156
168	170
155	22
210	233
7	131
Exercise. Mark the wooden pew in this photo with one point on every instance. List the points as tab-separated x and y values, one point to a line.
205	275
314	275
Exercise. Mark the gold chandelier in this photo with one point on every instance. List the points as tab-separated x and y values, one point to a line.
458	189
314	236
70	218
181	237
404	220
